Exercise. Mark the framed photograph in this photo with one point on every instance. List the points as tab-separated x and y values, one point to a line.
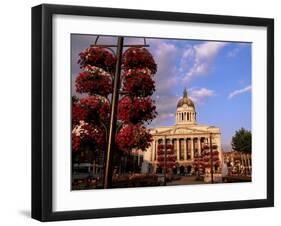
146	112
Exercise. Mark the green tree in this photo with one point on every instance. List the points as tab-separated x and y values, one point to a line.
242	140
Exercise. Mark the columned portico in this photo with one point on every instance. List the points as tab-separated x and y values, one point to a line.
178	149
192	149
187	136
185	149
199	146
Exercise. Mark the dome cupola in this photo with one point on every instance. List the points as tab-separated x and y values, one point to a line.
185	100
185	113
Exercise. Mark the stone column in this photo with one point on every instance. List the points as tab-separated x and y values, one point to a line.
178	149
139	158
199	146
248	160
152	150
155	150
185	150
192	148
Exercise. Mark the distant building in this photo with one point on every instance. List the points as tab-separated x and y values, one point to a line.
238	163
187	136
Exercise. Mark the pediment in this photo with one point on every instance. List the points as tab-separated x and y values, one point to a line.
187	130
169	131
183	131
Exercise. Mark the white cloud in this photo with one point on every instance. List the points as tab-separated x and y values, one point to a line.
199	96
174	59
171	73
240	91
200	57
233	53
165	55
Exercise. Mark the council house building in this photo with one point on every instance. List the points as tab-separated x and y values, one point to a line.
187	137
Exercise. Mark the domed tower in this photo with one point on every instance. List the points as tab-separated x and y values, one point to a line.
185	113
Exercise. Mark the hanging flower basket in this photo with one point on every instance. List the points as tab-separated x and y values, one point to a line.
215	158
160	152
138	82
138	58
170	151
215	146
160	158
168	164
91	108
78	114
94	80
171	158
207	165
99	57
133	136
136	110
217	163
205	146
85	134
170	146
206	159
215	153
76	142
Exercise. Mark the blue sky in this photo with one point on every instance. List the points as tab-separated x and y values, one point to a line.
216	74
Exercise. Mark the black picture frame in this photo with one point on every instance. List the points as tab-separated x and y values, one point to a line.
42	111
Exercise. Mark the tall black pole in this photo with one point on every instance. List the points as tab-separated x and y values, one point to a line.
165	160
114	103
211	149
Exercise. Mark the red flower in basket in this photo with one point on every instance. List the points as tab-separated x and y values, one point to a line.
138	82
99	57
138	58
136	110
94	80
133	136
85	134
91	108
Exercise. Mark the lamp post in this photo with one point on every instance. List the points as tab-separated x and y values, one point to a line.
112	128
165	160
113	108
211	153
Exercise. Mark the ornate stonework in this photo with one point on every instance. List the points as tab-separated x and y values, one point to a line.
187	136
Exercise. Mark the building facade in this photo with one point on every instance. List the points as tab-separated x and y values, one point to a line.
238	163
186	136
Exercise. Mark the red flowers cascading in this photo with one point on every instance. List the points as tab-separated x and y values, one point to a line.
133	136
138	82
170	156
136	110
87	134
204	161
90	115
94	80
138	58
93	109
98	57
